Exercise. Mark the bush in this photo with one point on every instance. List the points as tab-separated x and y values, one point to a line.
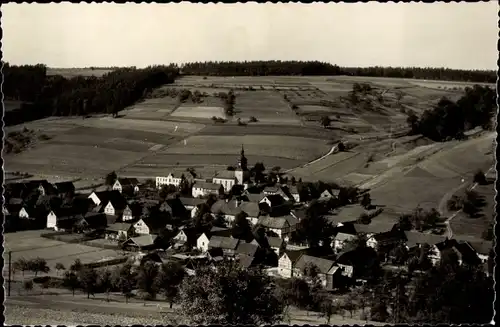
253	119
480	178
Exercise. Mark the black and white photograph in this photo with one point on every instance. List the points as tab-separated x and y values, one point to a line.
249	163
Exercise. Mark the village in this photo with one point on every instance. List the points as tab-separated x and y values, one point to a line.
253	216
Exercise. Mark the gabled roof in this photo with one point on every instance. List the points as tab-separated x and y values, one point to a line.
117	200
375	227
207	186
143	240
111	195
228	208
33	184
251	197
250	208
247	248
292	189
176	205
16	190
218	231
275	199
225	174
245	261
392	235
223	242
64	187
191	201
415	238
294	255
271	189
128	182
115	227
273	222
154	224
324	265
66	212
95	220
275	242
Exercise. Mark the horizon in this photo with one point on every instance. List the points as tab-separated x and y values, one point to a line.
461	36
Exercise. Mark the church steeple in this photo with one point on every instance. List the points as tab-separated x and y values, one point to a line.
242	163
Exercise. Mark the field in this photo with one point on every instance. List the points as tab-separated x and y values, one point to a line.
30	245
161	134
74	72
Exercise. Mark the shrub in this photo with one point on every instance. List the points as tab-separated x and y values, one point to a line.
480	178
253	119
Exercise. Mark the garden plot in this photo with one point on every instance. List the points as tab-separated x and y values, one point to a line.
268	107
296	148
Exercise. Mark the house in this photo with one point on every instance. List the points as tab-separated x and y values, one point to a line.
56	217
201	189
481	247
325	195
282	226
203	239
191	203
347	214
252	210
103	197
278	190
43	186
64	188
389	238
275	243
249	249
174	207
16	190
171	179
140	243
374	227
464	252
202	242
149	225
274	205
246	261
340	240
225	178
292	189
287	261
118	231
230	209
323	265
227	244
252	197
415	239
132	211
91	221
126	184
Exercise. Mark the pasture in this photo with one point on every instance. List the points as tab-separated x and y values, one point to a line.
30	245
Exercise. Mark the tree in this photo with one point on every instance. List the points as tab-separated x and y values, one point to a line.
105	282
21	264
71	281
328	309
315	229
76	266
88	280
480	178
379	312
169	279
325	121
229	294
349	303
240	227
166	190
366	201
124	279
341	146
111	178
28	285
38	265
412	121
59	266
455	203
146	279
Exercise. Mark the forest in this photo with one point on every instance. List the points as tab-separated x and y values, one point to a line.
40	95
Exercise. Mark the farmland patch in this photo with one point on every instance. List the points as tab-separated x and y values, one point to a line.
250	129
199	112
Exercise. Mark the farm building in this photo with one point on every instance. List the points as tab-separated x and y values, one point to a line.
149	225
203	240
274	205
389	238
324	266
340	240
118	231
191	203
103	197
227	244
282	226
140	243
201	189
115	206
287	261
275	243
64	188
91	221
174	207
279	190
56	217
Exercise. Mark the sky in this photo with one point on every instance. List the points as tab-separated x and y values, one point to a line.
454	35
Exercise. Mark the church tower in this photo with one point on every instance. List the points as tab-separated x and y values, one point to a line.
241	173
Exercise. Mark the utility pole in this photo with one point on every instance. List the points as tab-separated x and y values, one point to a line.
10	270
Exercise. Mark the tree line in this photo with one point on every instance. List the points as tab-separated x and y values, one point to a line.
44	95
308	68
449	119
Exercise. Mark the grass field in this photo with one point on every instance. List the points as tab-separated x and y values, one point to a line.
30	245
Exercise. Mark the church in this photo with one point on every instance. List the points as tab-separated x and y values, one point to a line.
240	176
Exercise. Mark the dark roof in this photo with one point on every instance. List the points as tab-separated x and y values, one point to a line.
247	249
294	255
415	238
275	199
96	220
111	219
480	246
111	195
128	182
251	197
215	252
392	235
176	205
64	187
16	190
225	174
273	222
207	186
66	223
245	261
271	189
154	224
143	240
66	212
324	265
119	227
374	227
228	208
223	242
217	231
250	208
275	242
191	201
299	213
33	184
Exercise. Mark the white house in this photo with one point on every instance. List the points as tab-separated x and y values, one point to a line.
51	220
141	227
127	214
225	178
275	243
169	180
202	243
181	237
23	214
325	195
201	189
286	263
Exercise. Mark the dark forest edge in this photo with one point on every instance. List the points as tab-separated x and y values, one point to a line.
42	95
